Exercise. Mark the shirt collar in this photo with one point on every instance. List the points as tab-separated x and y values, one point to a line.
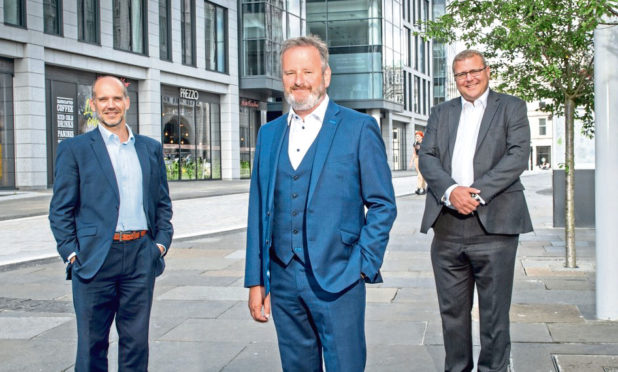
109	136
318	114
482	100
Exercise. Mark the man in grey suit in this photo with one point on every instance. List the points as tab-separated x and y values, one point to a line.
474	150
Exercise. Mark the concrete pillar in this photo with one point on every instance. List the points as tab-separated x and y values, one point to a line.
387	136
606	176
30	123
230	140
150	105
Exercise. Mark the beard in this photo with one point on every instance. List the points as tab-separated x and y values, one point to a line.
308	103
108	123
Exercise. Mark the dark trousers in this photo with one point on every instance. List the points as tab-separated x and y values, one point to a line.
123	288
313	324
464	255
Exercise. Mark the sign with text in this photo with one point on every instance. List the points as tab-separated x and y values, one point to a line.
191	94
65	118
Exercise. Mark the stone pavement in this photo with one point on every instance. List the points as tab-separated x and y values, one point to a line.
200	320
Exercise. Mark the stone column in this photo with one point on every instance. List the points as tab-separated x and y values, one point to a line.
30	123
606	175
150	105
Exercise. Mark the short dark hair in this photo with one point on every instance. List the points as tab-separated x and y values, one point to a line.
303	41
468	53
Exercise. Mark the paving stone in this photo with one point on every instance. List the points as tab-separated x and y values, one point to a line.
434	336
402	312
36	356
261	356
185	356
36	291
563	297
196	252
416	294
224	273
597	332
375	294
238	254
555	267
190	263
238	311
14	328
592	363
529	332
222	330
184	309
397	358
177	278
206	293
391	332
545	313
579	284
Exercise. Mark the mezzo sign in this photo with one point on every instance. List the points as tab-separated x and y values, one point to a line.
189	94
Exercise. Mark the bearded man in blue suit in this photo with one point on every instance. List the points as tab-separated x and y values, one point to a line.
321	207
110	215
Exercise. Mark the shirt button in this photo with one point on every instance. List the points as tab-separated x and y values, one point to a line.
297	150
295	178
295	231
294	195
268	213
294	213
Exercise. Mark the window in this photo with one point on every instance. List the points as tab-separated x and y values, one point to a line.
542	126
129	25
52	17
15	12
88	20
7	138
165	26
187	29
215	18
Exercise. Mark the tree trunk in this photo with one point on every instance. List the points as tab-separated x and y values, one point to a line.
569	176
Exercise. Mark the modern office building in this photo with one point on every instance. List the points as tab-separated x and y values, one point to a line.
177	58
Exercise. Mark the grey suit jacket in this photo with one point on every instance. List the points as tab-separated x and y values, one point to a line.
501	155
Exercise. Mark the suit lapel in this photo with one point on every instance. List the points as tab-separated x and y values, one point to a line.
490	111
275	150
142	154
325	140
100	151
453	125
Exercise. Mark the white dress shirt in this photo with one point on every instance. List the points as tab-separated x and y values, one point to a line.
304	132
462	163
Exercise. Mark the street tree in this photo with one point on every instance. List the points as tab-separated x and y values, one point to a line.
541	50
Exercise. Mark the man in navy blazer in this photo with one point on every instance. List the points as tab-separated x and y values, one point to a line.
311	247
110	215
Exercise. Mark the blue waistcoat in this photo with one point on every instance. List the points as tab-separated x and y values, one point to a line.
291	189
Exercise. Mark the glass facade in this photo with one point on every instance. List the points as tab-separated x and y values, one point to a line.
7	150
88	20
129	25
191	134
187	28
440	68
52	17
265	24
165	27
249	124
15	12
215	24
364	42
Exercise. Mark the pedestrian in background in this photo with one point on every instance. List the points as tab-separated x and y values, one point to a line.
420	181
474	151
110	215
310	245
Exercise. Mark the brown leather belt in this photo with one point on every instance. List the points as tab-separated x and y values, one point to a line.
123	236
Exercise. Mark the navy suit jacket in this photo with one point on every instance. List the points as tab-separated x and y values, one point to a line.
84	208
350	173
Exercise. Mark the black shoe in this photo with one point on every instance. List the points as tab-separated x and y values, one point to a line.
422	192
417	191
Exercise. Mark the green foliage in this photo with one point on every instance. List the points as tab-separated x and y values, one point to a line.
539	49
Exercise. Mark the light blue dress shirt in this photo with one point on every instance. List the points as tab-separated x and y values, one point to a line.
128	173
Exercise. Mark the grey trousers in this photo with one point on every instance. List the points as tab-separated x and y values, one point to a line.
464	255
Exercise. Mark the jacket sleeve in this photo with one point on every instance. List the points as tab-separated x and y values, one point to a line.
163	216
379	199
65	201
509	167
253	257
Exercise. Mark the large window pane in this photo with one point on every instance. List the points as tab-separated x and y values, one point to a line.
254	25
165	40
254	57
215	130
88	20
52	16
215	24
221	39
188	33
15	12
7	152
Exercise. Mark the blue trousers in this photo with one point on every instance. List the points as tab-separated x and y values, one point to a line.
123	288
315	327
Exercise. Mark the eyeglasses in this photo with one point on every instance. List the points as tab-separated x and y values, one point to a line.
474	73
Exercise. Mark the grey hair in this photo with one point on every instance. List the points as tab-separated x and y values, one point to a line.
125	92
468	53
304	41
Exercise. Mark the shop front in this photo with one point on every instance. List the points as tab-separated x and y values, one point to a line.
249	124
7	149
68	108
191	133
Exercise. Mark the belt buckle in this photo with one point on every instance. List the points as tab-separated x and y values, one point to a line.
120	233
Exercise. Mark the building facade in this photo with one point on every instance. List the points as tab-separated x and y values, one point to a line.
541	137
176	57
